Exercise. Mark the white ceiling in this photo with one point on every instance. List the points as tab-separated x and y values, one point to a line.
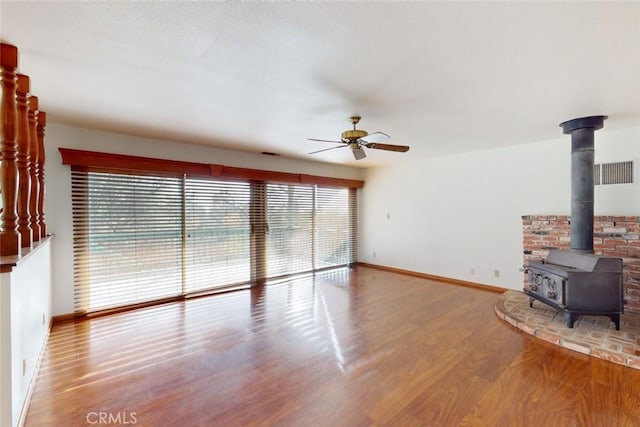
442	77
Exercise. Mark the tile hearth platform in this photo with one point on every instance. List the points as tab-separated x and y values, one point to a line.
592	335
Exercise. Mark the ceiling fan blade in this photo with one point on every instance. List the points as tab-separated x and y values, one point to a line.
324	140
327	149
359	153
387	147
376	136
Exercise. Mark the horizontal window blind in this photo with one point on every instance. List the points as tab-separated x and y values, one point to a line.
217	234
140	238
127	239
289	229
334	229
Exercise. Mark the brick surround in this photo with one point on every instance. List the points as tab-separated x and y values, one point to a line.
616	236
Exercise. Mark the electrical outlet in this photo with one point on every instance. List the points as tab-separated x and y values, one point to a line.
472	271
496	273
374	254
388	216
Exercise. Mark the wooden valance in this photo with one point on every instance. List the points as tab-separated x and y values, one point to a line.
120	162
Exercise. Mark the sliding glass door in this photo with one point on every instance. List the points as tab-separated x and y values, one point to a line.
290	229
217	234
143	237
127	238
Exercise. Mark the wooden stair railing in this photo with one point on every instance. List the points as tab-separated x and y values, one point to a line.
34	167
24	162
9	236
22	159
42	123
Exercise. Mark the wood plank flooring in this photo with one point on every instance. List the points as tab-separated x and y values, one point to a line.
355	347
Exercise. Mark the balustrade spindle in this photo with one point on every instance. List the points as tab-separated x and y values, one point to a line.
9	237
34	167
42	123
24	159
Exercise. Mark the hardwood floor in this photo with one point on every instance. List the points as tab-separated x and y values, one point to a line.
343	348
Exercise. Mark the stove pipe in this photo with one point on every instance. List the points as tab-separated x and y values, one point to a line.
582	154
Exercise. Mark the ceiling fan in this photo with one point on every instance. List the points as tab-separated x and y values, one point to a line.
355	139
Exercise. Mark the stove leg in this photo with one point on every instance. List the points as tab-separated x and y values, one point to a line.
569	318
615	318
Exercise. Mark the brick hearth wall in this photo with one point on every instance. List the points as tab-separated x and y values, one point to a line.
616	236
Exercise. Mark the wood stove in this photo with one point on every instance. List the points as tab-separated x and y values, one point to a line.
577	284
576	281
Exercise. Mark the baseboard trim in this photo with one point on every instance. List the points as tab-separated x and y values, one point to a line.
444	279
71	317
65	318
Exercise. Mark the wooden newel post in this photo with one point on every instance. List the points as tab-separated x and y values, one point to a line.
42	123
33	167
9	236
24	159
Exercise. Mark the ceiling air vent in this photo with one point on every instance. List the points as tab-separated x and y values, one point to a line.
613	173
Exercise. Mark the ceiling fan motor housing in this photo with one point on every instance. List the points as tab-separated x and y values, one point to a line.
353	135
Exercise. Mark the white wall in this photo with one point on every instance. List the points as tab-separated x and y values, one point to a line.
449	215
58	183
25	309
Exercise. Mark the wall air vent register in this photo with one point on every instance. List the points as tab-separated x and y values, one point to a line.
613	173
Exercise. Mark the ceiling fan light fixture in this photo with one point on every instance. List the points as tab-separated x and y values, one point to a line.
358	152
